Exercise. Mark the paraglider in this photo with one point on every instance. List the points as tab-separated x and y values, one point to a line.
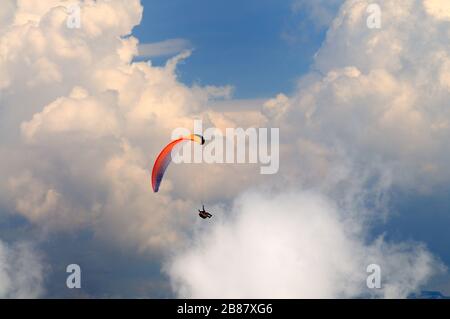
165	157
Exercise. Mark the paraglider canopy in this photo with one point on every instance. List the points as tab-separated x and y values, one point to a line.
165	157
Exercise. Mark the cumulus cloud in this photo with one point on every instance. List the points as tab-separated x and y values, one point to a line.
294	245
438	9
21	271
376	98
81	124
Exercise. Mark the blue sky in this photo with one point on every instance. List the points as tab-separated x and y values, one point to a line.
240	43
421	218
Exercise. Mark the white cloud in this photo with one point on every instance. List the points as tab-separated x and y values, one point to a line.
21	271
376	100
163	48
77	113
7	13
294	245
81	125
437	8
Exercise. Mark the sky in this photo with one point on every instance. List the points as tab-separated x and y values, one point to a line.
364	130
242	43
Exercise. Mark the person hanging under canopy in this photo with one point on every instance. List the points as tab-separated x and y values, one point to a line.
203	213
